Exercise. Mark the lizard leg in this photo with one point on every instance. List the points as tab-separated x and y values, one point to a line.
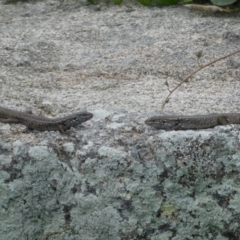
177	126
9	120
61	129
223	120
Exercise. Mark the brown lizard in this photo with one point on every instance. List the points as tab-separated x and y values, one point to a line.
42	123
185	122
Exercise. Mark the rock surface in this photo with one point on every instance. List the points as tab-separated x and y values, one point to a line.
116	178
124	183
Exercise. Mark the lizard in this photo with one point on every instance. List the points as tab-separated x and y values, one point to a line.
43	123
185	122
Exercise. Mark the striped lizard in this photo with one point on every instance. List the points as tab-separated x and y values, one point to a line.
42	123
184	122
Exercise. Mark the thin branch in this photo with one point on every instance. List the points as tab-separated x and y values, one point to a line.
56	233
190	75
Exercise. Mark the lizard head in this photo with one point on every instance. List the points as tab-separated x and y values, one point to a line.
161	122
77	118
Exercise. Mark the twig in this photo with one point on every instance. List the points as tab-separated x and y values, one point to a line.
190	75
56	233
